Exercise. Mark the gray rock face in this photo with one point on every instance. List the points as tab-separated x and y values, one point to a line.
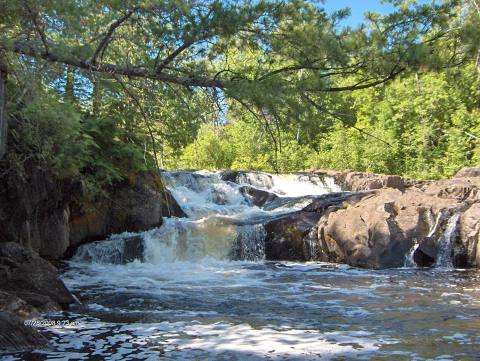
44	214
380	229
134	208
28	276
469	234
34	210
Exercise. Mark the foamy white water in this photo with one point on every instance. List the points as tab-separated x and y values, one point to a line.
198	288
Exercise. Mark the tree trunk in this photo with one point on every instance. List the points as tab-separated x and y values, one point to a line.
3	110
69	84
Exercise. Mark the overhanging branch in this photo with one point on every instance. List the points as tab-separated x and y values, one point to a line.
134	71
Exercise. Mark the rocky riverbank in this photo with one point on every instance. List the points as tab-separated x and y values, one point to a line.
43	218
369	220
388	219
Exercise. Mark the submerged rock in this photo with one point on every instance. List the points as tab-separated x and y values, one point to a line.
117	250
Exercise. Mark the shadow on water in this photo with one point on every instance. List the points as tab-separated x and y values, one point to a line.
278	311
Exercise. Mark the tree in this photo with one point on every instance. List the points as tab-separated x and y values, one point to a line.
298	48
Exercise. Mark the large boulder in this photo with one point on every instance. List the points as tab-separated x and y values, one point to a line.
29	277
381	228
132	208
293	237
48	215
28	285
286	237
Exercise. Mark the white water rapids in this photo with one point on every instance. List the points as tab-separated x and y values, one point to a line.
198	288
222	223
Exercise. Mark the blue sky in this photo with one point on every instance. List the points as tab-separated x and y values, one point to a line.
359	7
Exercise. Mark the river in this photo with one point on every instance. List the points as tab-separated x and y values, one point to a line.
200	289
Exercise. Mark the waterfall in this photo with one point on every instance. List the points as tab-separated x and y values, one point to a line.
222	221
445	243
249	243
409	262
118	249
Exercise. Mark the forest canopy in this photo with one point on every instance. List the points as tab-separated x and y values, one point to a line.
101	89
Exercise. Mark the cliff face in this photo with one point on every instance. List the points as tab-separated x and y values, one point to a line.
48	216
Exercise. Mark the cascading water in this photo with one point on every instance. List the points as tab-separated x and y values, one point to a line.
445	243
221	224
197	288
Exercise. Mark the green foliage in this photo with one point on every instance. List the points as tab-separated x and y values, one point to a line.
51	131
266	85
99	151
422	126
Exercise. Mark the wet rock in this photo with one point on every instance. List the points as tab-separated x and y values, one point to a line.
48	215
468	172
24	274
257	197
15	336
295	236
286	237
469	235
380	229
425	254
134	208
258	179
116	250
229	176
